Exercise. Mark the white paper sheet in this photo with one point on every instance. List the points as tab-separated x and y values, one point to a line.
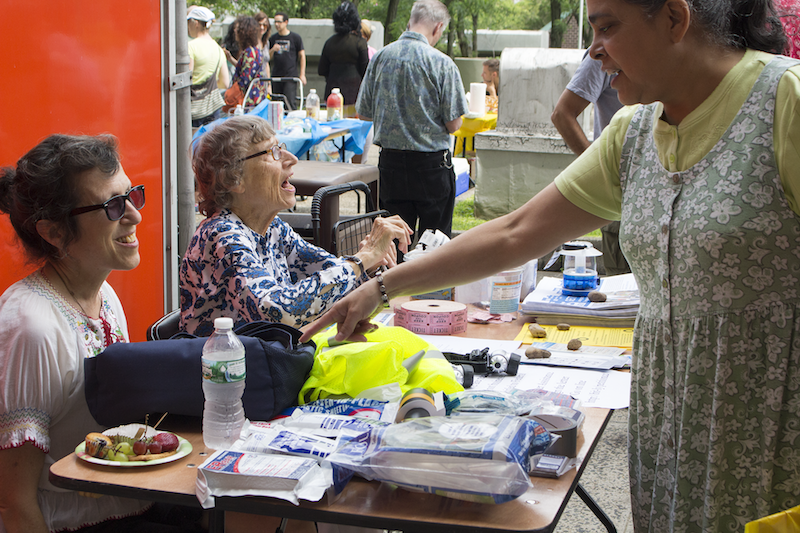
609	389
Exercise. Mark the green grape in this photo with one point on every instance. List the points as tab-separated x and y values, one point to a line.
125	447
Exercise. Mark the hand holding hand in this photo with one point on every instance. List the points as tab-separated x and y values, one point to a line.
378	247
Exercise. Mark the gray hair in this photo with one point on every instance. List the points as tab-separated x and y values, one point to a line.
217	160
429	11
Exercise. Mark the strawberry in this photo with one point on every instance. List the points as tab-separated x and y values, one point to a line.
168	441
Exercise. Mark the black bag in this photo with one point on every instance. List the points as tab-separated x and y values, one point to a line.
127	381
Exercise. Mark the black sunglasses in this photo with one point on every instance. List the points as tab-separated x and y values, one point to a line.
275	150
115	206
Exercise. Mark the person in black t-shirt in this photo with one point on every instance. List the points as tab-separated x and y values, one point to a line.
288	59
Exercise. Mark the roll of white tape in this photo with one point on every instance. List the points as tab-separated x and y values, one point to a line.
432	317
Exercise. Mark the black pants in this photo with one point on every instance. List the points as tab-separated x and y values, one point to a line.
418	186
613	260
287	88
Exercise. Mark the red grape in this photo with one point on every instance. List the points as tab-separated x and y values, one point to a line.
154	447
140	447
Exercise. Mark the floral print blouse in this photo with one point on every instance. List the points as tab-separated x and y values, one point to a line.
249	67
231	270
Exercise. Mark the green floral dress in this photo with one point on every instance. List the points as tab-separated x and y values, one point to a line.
715	400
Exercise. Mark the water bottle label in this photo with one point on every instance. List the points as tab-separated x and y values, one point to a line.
224	371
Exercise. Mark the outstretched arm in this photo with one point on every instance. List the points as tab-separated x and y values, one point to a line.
541	225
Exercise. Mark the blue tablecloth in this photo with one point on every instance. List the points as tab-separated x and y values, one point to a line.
299	142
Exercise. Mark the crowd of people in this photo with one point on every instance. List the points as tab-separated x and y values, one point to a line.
700	166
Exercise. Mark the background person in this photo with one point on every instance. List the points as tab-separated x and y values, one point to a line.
263	42
288	57
414	95
344	56
244	261
74	211
590	84
705	177
491	77
231	48
209	68
250	64
366	33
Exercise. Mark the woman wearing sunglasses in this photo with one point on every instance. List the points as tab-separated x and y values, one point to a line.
75	213
243	261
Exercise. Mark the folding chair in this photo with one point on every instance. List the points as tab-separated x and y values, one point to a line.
344	236
278	97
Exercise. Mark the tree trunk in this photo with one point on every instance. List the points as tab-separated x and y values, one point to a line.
391	14
463	43
306	7
556	26
474	35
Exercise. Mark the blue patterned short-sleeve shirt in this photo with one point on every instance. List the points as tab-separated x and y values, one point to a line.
410	91
231	270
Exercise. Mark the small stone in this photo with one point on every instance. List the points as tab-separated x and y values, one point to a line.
536	353
562	327
537	331
597	296
574	344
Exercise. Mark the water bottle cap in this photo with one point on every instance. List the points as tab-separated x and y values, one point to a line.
223	322
336	90
312	91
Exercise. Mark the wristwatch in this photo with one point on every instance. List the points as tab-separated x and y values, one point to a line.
356	260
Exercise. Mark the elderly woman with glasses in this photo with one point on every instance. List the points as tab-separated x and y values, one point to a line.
75	213
244	261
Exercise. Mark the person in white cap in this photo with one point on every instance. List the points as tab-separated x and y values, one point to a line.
209	68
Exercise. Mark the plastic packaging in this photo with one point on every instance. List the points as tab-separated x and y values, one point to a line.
224	375
335	104
312	104
481	458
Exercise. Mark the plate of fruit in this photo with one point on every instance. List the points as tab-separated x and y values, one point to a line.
133	445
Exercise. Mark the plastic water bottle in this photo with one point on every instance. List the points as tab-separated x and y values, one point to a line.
223	384
335	104
312	104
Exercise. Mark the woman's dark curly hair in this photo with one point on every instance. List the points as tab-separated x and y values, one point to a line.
346	18
248	31
734	23
43	186
217	160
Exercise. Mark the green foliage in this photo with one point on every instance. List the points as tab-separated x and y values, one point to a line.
467	15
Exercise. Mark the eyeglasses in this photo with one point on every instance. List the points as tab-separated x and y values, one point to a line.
275	151
115	206
279	21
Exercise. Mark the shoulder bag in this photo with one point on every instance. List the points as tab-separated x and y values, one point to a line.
127	381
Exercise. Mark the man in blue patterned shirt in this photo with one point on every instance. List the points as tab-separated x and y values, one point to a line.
414	95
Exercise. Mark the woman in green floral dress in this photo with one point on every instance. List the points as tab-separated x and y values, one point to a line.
705	178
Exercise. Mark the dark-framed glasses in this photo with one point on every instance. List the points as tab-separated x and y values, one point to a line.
275	150
115	206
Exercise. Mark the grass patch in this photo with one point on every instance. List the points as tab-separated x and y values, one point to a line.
464	217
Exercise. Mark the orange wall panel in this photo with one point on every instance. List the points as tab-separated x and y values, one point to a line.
89	68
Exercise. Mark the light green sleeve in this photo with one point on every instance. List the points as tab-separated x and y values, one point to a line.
591	182
787	135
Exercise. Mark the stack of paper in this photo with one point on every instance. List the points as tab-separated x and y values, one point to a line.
549	306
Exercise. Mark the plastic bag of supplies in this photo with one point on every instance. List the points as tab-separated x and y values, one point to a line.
481	458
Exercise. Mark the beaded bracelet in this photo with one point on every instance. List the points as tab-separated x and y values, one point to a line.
382	288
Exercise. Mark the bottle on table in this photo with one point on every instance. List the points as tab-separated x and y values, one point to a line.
312	104
335	104
224	374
